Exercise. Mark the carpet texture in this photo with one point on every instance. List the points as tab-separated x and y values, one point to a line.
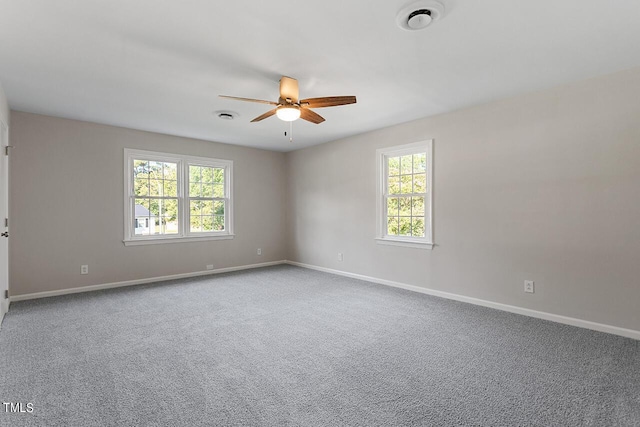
286	346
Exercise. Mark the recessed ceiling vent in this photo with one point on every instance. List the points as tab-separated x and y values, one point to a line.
226	115
419	15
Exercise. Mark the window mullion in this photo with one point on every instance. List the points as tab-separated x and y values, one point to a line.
184	194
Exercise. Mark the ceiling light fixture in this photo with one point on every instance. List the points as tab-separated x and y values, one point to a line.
288	113
419	15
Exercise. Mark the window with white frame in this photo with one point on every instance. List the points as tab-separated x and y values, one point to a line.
404	213
171	198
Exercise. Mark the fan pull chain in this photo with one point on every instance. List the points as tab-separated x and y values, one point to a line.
290	131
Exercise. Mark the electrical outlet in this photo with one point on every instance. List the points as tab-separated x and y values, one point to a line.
529	286
340	256
259	251
209	266
84	269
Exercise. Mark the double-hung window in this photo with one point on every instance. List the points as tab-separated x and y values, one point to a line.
173	198
404	213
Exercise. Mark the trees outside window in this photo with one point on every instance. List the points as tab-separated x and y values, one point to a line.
171	197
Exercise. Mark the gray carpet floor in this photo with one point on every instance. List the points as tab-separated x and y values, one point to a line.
286	346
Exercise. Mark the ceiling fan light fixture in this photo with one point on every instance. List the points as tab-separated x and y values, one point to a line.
288	113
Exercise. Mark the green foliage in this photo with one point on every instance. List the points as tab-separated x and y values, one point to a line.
419	162
206	181
206	215
394	166
406	184
157	179
405	214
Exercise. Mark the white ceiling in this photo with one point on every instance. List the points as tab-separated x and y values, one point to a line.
159	65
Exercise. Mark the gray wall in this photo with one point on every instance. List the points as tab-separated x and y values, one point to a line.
67	206
544	186
4	107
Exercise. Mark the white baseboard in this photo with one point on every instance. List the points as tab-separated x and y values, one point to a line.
138	281
615	330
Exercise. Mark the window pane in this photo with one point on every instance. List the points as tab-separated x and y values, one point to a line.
218	208
140	167
170	188
218	223
142	218
394	185
419	162
418	206
404	226
404	204
195	223
141	187
392	226
218	175
207	207
207	175
170	171
207	190
194	173
420	183
141	226
417	227
392	206
406	164
218	190
155	187
195	207
167	227
394	166
169	208
406	184
194	190
207	223
155	170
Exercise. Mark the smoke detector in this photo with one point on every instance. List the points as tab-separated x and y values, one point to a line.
419	15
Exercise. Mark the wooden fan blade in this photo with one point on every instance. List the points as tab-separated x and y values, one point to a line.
249	99
311	116
265	115
328	101
289	89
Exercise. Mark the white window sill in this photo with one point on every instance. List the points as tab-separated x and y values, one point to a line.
155	241
404	242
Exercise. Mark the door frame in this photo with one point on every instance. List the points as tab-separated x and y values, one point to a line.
4	193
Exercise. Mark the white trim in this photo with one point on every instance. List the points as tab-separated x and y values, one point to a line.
4	145
90	288
154	241
600	327
405	243
381	235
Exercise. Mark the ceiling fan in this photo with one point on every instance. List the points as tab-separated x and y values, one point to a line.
289	107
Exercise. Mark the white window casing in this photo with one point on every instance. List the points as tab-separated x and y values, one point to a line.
387	232
182	231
